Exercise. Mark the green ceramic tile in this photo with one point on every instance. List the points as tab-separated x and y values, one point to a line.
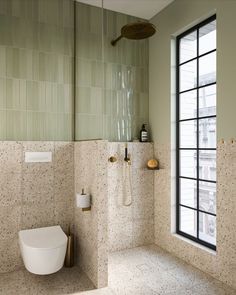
50	126
95	15
3	97
89	126
2	61
97	74
16	122
3	124
64	127
16	94
83	72
25	64
83	100
36	126
96	106
12	62
51	97
6	27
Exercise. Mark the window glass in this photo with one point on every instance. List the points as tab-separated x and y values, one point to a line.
196	133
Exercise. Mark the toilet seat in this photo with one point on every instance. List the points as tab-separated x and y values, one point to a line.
43	238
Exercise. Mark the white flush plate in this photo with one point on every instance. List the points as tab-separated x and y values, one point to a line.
38	157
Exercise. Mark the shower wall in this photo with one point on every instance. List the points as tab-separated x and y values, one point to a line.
36	62
111	82
91	226
133	225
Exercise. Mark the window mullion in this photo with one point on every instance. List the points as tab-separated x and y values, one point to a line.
197	133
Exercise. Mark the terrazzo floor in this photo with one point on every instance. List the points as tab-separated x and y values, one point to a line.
139	271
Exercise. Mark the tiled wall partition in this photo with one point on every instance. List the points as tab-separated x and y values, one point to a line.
33	194
130	226
36	69
91	226
111	82
222	263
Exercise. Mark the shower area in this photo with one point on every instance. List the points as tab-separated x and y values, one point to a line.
112	104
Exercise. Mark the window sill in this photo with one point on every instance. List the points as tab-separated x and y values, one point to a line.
195	244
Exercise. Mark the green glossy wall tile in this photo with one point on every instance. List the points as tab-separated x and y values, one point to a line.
36	69
112	88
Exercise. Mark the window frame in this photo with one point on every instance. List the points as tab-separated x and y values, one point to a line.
198	117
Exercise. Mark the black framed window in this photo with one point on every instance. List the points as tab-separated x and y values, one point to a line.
196	133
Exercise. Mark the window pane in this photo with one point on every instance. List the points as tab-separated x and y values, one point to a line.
207	165
207	228
207	101
207	196
188	134
188	160
207	69
188	47
188	105
188	221
207	133
188	192
188	73
207	37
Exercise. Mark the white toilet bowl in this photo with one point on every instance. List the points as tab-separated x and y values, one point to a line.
43	249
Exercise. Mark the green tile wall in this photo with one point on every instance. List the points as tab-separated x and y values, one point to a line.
111	82
36	69
36	73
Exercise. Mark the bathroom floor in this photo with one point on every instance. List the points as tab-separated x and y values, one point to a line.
144	270
66	281
150	270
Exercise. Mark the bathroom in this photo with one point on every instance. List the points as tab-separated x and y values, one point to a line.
92	201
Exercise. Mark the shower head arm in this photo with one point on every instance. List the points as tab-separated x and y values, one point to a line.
113	42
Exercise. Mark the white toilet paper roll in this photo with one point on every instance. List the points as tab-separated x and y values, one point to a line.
83	201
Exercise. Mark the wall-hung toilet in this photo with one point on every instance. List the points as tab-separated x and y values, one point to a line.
43	249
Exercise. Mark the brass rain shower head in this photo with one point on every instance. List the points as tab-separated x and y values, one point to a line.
136	31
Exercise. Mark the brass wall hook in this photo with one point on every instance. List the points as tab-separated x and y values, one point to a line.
112	159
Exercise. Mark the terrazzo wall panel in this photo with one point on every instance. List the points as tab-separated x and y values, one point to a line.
111	81
130	226
91	159
222	263
36	67
33	194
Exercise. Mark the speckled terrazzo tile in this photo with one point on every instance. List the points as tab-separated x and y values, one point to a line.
10	193
37	187
10	255
211	290
143	207
10	221
120	236
63	156
66	281
38	216
143	232
64	186
142	152
91	160
13	283
103	291
10	157
64	214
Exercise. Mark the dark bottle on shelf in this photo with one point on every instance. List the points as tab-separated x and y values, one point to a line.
143	134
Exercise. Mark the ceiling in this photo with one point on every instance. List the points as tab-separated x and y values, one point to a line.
141	8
